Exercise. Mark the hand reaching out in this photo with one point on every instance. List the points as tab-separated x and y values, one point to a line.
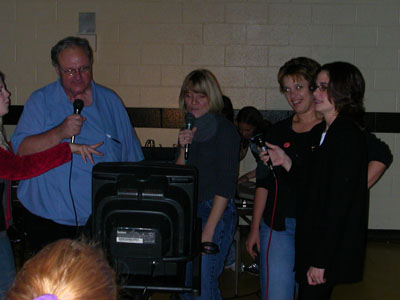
86	151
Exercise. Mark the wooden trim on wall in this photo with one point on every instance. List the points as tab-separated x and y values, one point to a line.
173	118
383	235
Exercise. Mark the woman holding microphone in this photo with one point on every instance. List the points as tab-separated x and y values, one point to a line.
332	210
214	151
273	226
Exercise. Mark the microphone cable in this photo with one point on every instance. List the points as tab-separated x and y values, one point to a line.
154	264
259	140
70	193
78	105
270	234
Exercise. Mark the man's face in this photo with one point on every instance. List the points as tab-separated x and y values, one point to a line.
75	71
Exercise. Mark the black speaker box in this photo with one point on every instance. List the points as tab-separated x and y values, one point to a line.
144	215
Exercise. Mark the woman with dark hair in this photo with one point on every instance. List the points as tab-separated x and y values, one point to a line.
13	167
214	151
250	122
332	213
296	136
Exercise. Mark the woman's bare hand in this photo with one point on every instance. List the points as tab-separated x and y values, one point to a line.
86	151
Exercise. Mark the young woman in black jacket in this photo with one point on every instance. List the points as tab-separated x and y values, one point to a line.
332	210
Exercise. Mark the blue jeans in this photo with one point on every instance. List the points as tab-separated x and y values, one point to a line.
213	264
7	267
231	257
281	261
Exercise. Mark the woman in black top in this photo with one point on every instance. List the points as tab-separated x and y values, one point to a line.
293	135
214	151
332	212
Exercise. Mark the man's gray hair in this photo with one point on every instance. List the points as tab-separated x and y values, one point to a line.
70	42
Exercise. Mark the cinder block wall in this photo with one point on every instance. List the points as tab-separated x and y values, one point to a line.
145	48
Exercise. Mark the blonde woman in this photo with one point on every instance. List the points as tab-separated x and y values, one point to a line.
214	151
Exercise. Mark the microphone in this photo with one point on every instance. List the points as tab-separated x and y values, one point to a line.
78	106
189	120
259	140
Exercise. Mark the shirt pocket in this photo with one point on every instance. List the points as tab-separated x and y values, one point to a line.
113	149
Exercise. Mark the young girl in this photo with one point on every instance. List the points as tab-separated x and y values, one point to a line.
66	269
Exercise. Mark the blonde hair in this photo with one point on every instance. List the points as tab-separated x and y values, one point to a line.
202	81
68	269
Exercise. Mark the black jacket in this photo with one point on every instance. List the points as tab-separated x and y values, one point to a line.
332	213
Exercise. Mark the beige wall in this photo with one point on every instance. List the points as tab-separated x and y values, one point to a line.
145	48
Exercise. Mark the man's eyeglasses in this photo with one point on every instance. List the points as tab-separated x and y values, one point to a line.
72	72
321	87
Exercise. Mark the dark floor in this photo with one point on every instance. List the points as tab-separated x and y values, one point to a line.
381	278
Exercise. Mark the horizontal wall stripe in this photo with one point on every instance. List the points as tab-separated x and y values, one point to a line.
173	118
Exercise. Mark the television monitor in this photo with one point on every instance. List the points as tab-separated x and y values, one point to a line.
145	217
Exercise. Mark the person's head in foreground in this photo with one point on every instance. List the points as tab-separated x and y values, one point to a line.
65	270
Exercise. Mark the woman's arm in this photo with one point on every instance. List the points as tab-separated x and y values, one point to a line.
15	167
227	147
217	209
181	156
375	171
248	176
260	200
379	158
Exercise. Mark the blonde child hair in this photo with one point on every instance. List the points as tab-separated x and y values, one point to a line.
65	270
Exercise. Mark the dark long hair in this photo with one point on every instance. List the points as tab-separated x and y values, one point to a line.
346	90
252	116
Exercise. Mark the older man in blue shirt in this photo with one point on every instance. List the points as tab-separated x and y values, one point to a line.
59	201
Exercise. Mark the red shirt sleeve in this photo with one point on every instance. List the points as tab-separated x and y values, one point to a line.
14	167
